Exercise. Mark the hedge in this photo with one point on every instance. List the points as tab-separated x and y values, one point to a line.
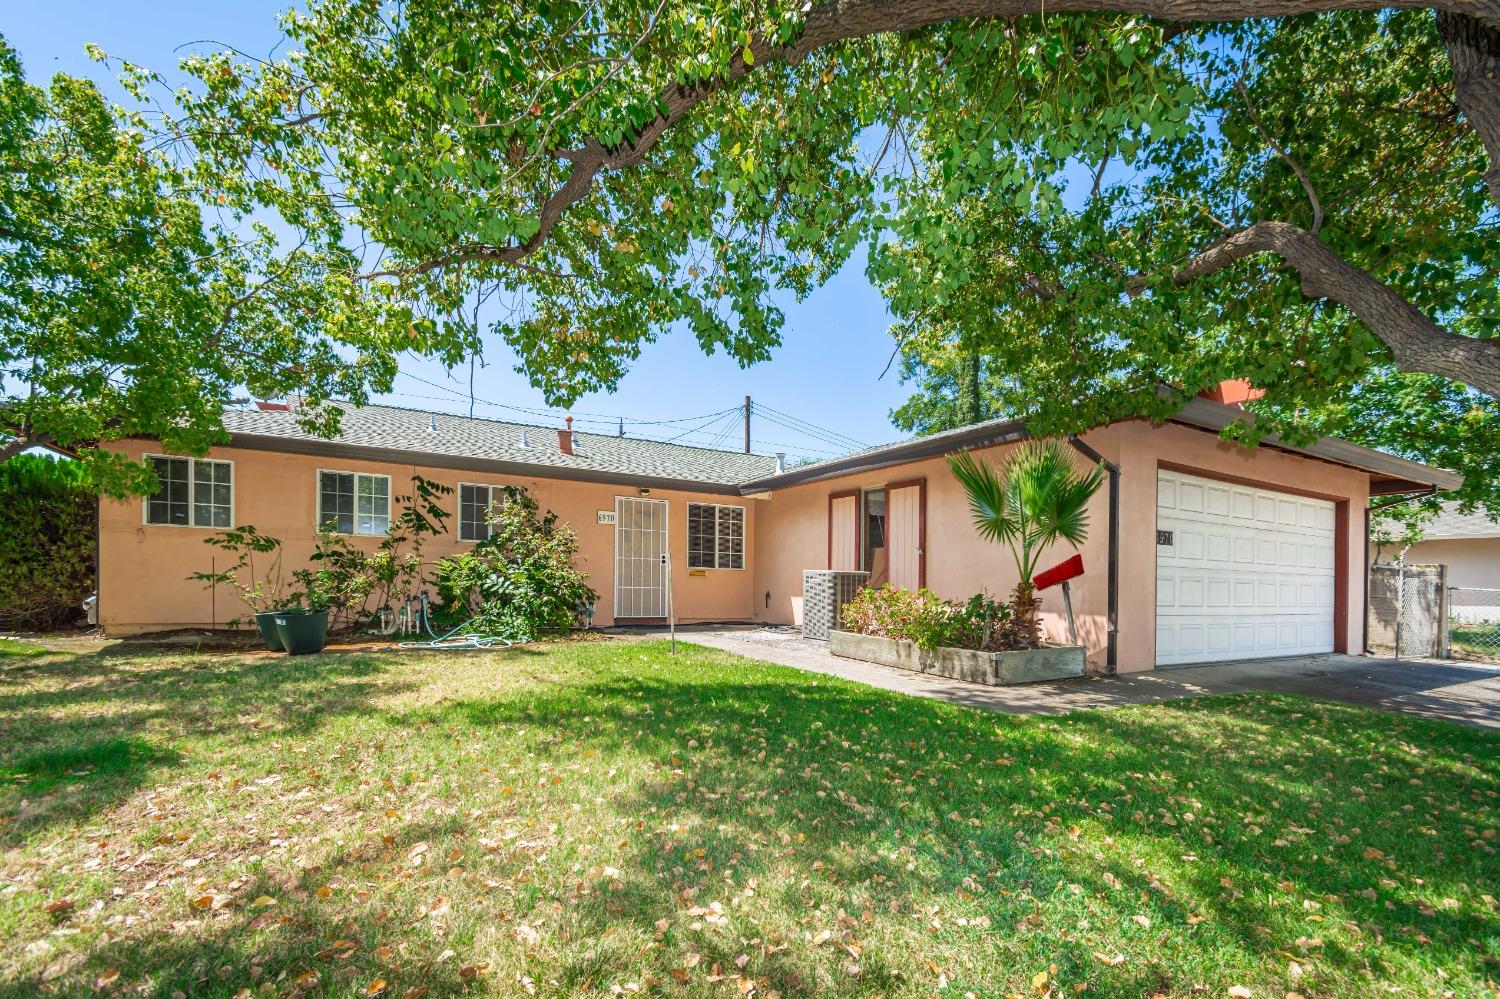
47	552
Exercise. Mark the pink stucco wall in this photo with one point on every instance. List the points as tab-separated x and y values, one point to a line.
143	569
792	533
1470	561
143	583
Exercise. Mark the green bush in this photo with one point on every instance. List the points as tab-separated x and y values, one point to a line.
929	621
522	580
47	550
344	579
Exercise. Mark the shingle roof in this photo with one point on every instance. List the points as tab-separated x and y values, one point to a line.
397	428
1449	523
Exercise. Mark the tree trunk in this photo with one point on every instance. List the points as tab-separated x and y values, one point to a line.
1474	53
970	401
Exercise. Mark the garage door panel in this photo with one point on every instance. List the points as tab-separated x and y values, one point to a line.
1249	574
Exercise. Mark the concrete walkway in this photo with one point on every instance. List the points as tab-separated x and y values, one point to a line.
1467	693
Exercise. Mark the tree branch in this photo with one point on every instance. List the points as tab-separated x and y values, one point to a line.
834	21
1415	341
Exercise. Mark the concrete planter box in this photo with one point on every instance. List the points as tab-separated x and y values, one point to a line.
998	669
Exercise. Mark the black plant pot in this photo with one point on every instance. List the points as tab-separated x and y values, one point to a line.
303	632
265	621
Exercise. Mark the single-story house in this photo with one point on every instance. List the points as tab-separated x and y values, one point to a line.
1467	543
1198	549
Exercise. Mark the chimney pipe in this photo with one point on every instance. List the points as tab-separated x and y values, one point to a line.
780	462
565	438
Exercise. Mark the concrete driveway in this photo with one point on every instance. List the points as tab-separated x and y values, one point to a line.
1467	693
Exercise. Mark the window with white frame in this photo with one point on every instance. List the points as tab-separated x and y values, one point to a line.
716	536
191	492
475	503
354	502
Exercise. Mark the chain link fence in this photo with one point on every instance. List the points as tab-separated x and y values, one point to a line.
1473	623
1406	610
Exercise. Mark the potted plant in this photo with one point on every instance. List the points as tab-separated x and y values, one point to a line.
1040	499
263	592
301	630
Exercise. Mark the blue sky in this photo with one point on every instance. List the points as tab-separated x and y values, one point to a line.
827	371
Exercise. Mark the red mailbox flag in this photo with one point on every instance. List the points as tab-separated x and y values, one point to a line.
1059	573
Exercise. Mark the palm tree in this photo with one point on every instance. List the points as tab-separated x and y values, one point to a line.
1040	498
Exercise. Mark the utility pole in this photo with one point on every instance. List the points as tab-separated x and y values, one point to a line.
747	424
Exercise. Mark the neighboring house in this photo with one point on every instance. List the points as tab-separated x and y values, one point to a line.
1467	543
1200	549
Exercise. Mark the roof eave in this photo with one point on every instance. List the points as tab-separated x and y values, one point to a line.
936	445
1402	474
1209	415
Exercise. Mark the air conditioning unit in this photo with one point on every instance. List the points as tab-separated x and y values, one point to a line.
824	594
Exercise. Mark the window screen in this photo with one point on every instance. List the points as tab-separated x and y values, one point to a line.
169	504
354	503
212	493
191	493
716	536
474	504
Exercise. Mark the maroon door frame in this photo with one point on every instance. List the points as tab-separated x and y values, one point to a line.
858	534
921	485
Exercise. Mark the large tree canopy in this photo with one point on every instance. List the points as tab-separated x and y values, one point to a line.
134	300
1305	201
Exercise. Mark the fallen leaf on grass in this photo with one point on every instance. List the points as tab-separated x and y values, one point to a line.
59	907
375	988
1240	992
264	902
107	979
1113	962
415	992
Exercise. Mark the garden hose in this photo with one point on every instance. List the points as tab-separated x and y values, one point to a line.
457	639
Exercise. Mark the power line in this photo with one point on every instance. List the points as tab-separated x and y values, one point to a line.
809	426
600	418
815	435
715	426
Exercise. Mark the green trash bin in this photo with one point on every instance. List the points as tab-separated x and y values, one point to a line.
302	631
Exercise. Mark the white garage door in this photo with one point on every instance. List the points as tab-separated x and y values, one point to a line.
1241	573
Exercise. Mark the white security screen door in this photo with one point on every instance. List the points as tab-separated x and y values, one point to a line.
1241	572
640	543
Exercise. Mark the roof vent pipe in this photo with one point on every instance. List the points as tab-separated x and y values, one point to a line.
525	438
565	438
780	462
432	424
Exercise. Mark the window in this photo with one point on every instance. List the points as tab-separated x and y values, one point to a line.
716	536
354	502
474	505
191	492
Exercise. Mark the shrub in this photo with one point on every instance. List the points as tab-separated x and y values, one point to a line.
344	578
47	550
929	621
261	589
522	580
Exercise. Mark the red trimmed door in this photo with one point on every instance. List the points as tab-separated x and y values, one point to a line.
906	533
843	532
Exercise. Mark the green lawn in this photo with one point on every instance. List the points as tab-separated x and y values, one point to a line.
598	818
1475	641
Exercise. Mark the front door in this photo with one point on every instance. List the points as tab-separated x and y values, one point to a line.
640	544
